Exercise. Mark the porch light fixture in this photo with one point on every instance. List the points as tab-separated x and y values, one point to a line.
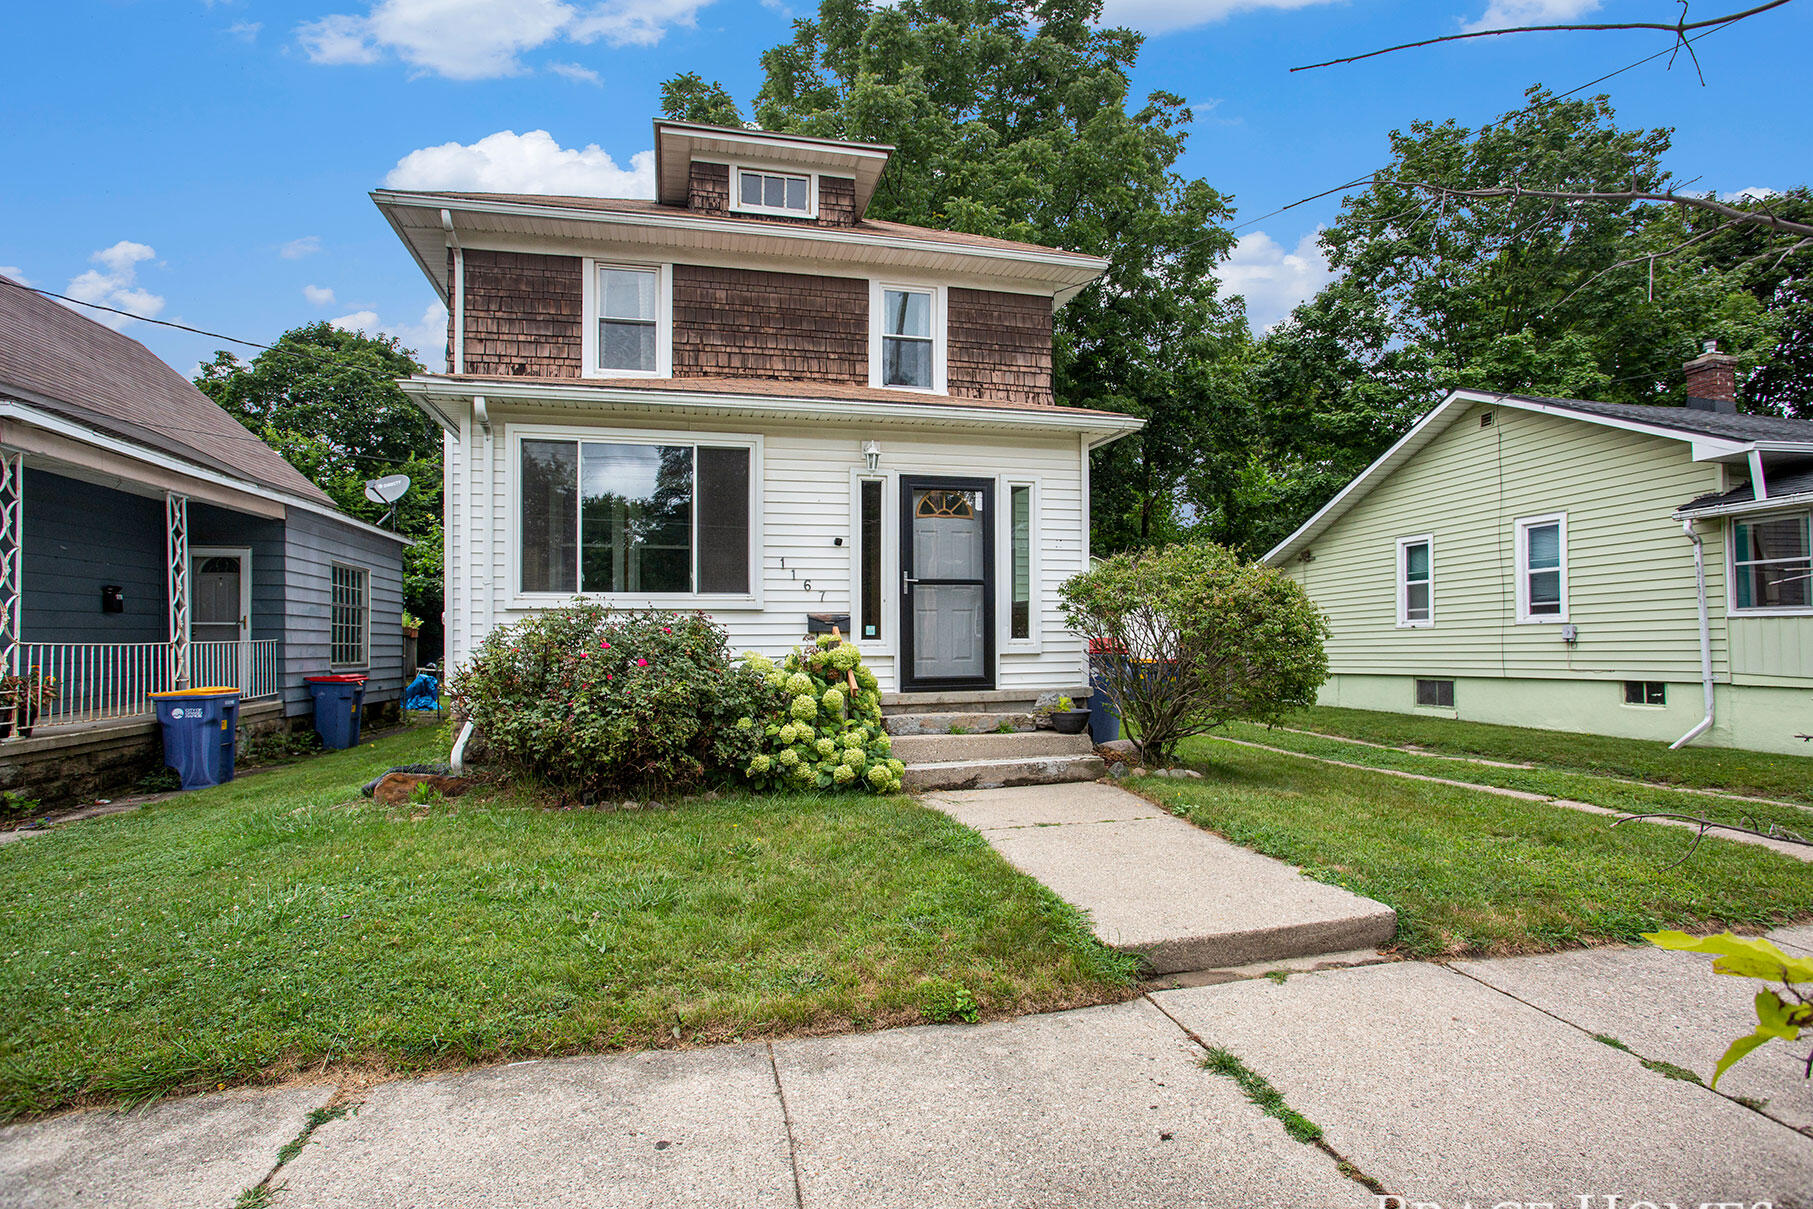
871	453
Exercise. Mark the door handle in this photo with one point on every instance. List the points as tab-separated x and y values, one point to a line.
906	579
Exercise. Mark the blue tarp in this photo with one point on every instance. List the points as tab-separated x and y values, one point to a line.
424	692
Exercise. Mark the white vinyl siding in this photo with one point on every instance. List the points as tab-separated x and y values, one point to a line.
808	502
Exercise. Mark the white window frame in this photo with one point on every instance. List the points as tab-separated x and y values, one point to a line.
1731	571
1524	525
1033	643
737	205
878	287
511	539
1403	583
664	320
889	642
364	574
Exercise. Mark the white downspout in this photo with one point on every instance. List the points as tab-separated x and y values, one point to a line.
457	761
1699	582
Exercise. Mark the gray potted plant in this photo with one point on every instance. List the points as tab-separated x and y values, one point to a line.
1066	718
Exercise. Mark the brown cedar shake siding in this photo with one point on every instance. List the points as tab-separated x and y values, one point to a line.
744	323
1000	346
524	314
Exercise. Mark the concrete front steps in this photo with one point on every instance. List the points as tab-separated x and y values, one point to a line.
982	740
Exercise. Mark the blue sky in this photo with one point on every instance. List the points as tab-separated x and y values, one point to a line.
208	163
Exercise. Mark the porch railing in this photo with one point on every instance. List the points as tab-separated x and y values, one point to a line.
103	681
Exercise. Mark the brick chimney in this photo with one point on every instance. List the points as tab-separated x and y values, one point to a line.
1712	380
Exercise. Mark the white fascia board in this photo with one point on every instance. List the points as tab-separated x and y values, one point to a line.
803	407
1703	449
26	414
1069	263
1774	503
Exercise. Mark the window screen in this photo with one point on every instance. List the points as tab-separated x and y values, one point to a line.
347	623
906	339
1435	692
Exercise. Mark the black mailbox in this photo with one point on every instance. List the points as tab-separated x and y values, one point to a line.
824	623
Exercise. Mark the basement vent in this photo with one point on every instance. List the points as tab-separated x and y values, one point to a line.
1485	419
1438	693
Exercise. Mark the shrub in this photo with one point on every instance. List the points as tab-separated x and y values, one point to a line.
821	728
589	700
1188	637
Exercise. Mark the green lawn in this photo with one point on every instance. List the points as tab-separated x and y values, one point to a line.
284	921
1475	873
1610	792
1761	774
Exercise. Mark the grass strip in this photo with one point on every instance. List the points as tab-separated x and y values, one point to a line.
1262	1094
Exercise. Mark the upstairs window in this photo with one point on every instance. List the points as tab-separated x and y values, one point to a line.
626	319
1542	568
1416	581
1772	563
906	337
615	517
774	193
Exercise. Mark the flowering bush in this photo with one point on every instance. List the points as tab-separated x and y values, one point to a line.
588	700
822	728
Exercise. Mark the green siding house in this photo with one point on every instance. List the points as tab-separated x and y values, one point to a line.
1609	568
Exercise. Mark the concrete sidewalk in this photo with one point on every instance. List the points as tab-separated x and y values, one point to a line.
1481	1082
1155	885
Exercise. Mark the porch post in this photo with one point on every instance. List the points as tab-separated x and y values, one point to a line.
176	549
12	556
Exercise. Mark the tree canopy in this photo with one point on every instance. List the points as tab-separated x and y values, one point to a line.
328	401
1014	120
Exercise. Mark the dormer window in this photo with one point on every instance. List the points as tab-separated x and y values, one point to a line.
759	191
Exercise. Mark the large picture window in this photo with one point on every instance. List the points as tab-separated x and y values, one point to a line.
350	587
614	517
1542	568
1772	563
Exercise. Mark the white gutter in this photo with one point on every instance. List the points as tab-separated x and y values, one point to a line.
1774	503
459	293
457	759
1699	583
26	414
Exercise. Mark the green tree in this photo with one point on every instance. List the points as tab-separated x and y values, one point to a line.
1013	119
328	401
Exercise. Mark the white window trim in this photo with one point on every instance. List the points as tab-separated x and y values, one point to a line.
664	320
1524	525
511	539
1006	643
940	335
1403	583
365	629
889	642
737	206
1731	571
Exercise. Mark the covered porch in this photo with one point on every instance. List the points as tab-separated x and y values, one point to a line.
112	589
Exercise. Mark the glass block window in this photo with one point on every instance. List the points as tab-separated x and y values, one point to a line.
349	617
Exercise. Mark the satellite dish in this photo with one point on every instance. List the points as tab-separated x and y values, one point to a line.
387	490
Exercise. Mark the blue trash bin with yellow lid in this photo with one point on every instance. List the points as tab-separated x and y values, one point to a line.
339	700
201	733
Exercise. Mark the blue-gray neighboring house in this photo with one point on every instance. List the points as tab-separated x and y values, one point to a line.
148	541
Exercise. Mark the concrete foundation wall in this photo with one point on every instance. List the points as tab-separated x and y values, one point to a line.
1752	717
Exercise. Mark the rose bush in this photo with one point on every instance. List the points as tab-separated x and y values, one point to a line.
822	727
589	700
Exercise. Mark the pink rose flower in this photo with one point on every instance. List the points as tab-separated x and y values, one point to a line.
641	663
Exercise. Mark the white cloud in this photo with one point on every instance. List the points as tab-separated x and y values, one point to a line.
1509	14
482	39
15	272
1272	279
427	337
1163	16
507	162
575	72
1753	193
318	295
245	31
115	284
296	249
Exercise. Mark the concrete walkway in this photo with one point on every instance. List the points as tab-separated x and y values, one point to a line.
1486	1082
1155	885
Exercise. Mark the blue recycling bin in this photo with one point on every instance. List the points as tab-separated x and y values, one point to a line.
339	700
201	733
1104	723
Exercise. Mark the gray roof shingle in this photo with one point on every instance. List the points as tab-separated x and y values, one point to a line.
1738	427
66	363
1786	480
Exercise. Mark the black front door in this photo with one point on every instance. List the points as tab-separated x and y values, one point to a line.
947	584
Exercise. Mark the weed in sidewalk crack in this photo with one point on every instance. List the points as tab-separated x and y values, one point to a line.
1602	1039
1262	1094
1669	1070
254	1198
